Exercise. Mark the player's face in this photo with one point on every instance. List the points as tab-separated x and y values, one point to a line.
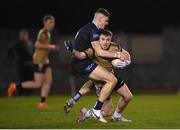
104	41
49	24
103	22
24	36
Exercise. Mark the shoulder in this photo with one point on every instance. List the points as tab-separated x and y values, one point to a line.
115	46
42	31
90	27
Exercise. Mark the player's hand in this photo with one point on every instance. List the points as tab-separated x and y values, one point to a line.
57	47
123	56
123	64
68	44
119	55
54	47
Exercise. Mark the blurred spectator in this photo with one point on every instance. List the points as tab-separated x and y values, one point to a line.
22	51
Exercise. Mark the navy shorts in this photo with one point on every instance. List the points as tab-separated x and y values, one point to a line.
83	67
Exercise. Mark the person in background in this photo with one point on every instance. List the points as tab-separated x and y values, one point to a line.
43	71
22	51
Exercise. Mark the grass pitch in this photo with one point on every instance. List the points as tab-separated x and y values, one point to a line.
145	111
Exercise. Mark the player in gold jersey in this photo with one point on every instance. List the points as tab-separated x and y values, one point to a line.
121	87
43	72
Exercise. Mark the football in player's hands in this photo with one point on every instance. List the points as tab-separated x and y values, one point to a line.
118	63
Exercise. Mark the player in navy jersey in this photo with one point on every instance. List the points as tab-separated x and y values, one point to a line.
87	37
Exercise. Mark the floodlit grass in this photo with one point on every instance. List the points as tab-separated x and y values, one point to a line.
145	111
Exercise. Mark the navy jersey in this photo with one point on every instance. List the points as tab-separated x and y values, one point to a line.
87	34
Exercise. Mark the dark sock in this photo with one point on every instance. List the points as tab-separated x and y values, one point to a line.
43	99
98	105
77	96
18	86
19	89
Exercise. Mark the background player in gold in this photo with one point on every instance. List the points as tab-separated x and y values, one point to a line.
43	72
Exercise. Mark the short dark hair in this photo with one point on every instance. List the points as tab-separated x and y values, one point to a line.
47	17
103	11
106	32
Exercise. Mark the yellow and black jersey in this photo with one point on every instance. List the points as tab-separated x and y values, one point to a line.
105	62
41	56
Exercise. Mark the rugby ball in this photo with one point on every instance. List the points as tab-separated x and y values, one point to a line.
115	62
118	63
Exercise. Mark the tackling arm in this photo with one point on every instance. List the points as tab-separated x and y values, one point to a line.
103	53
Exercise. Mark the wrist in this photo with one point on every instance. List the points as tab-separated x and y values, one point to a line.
52	46
115	55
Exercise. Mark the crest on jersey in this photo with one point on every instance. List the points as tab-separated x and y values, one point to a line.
95	35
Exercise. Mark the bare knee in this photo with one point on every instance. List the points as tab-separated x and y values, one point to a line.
38	84
47	83
113	80
128	97
84	90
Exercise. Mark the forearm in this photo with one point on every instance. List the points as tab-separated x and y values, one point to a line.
126	55
79	55
107	54
39	45
102	53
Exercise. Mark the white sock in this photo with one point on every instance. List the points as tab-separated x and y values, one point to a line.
87	114
116	115
97	112
72	102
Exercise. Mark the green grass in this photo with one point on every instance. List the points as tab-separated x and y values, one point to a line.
146	111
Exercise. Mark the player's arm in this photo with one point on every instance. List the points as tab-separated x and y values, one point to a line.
127	60
69	46
79	55
40	45
126	55
88	53
41	39
104	53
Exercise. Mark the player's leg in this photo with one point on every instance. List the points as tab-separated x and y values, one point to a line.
127	96
38	79
97	73
45	87
101	74
36	83
107	108
84	89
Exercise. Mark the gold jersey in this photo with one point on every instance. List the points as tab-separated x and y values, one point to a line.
41	56
105	62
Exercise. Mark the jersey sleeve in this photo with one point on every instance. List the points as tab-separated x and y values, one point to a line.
89	53
94	36
41	36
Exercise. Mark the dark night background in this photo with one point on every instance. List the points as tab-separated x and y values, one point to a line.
140	16
148	29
